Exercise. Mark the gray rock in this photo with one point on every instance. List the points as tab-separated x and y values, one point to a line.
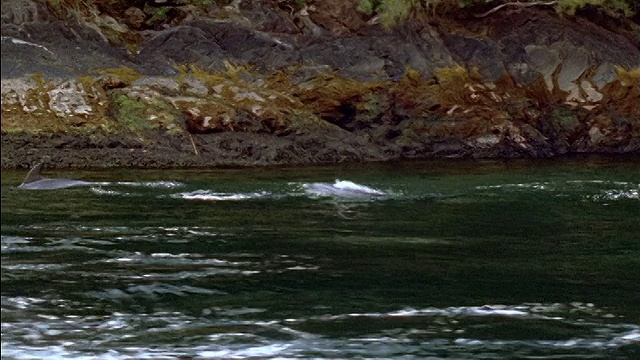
604	74
486	141
195	87
482	54
68	98
161	84
264	51
543	60
576	61
179	45
16	91
522	73
33	43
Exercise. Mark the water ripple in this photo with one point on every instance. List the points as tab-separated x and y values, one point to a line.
591	190
217	335
207	195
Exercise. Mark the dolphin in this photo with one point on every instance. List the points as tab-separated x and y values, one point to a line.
34	181
341	189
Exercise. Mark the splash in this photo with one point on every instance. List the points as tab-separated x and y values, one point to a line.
207	195
150	184
100	191
341	189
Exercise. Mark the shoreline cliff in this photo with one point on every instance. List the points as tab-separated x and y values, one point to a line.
250	83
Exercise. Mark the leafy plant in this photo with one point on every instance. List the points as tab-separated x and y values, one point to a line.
124	74
159	15
79	8
613	7
131	113
394	12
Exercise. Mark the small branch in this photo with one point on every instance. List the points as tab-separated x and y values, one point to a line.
193	143
515	4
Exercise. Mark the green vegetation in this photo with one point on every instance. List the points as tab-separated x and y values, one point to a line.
159	15
563	120
624	93
454	99
29	108
389	12
140	112
613	7
124	74
393	12
130	112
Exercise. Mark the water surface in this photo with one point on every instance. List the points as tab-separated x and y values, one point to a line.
464	260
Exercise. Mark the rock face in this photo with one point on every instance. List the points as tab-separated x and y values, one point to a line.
257	83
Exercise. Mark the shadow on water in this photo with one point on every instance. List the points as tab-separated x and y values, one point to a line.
455	259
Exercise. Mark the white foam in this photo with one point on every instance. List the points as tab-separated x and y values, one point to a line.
601	190
532	185
206	195
463	311
101	191
340	188
261	351
150	184
350	185
631	337
486	310
615	194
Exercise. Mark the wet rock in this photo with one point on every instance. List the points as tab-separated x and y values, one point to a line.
450	148
487	141
596	136
539	145
507	139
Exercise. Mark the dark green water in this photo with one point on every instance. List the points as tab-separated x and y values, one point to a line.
459	260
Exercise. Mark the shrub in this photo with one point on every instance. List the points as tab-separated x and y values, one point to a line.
393	12
612	7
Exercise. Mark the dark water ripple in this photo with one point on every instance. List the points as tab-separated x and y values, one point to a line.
56	325
449	263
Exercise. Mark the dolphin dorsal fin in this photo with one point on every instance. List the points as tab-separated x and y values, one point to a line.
34	174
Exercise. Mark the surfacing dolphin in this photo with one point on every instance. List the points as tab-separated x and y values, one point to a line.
34	181
341	189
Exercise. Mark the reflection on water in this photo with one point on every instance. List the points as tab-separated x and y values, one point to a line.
436	262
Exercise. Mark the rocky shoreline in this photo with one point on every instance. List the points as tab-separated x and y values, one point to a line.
256	85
